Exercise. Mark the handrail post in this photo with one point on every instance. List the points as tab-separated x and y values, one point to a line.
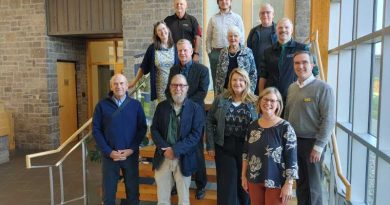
83	156
61	183
51	185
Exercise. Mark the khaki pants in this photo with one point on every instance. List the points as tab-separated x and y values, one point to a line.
168	173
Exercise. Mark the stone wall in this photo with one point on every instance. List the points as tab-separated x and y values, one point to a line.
138	19
27	71
302	19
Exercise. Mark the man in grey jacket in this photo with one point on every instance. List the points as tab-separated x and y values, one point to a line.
310	110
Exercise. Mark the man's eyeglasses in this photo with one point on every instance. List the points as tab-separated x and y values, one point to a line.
178	85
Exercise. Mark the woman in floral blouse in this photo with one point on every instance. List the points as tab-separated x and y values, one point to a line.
227	123
235	55
270	154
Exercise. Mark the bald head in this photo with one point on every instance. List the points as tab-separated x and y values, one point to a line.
118	85
180	7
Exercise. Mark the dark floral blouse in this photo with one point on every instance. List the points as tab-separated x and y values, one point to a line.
271	154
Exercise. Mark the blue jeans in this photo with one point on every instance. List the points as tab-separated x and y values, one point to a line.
129	168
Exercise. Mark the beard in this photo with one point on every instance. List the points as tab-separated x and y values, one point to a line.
177	98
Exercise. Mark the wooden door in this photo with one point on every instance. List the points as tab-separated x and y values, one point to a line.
67	106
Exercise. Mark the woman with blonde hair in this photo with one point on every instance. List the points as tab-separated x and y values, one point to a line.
270	153
227	121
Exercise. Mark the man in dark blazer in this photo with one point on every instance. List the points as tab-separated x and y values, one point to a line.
198	83
176	131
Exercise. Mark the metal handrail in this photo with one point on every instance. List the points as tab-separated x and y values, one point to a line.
59	149
336	155
59	164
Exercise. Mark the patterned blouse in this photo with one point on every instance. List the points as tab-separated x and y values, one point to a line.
271	154
164	60
237	120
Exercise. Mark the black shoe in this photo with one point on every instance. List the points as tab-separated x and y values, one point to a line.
174	190
200	193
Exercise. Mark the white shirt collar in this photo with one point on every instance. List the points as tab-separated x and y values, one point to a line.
307	81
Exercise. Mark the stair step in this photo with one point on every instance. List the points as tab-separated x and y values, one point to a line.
148	152
149	193
145	170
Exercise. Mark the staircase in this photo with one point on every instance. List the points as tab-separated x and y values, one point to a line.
148	192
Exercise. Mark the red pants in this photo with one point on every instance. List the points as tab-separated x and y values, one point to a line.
261	195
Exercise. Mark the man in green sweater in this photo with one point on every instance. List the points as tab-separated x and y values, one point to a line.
310	110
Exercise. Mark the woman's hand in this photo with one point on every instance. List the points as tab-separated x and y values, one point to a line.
244	183
132	84
286	192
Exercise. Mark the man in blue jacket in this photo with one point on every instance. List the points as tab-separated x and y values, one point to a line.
176	131
197	76
277	66
119	125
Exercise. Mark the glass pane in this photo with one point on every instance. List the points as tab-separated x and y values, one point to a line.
378	15
102	51
119	52
375	84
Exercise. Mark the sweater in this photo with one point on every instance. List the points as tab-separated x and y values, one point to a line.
311	111
125	130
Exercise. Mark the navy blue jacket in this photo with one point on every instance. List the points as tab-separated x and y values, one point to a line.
125	130
148	66
282	77
253	42
191	125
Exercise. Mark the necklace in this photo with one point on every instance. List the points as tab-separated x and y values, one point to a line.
232	56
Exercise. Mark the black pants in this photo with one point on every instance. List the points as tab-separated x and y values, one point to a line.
200	174
228	161
309	184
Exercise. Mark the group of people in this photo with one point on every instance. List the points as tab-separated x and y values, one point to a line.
260	148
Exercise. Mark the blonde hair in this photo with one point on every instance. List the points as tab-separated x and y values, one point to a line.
247	95
271	90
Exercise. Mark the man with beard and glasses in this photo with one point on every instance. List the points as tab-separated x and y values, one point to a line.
278	70
176	131
197	76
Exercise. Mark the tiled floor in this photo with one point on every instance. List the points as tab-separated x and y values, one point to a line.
22	186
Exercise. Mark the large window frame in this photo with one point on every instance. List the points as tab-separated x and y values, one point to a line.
352	57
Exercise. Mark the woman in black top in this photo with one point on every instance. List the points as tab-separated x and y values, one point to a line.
227	121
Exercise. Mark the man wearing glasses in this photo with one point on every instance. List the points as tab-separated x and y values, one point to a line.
262	37
176	131
198	83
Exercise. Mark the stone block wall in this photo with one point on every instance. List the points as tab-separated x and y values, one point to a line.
138	19
302	19
27	71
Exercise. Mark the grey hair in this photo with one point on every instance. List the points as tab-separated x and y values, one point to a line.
184	41
234	30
